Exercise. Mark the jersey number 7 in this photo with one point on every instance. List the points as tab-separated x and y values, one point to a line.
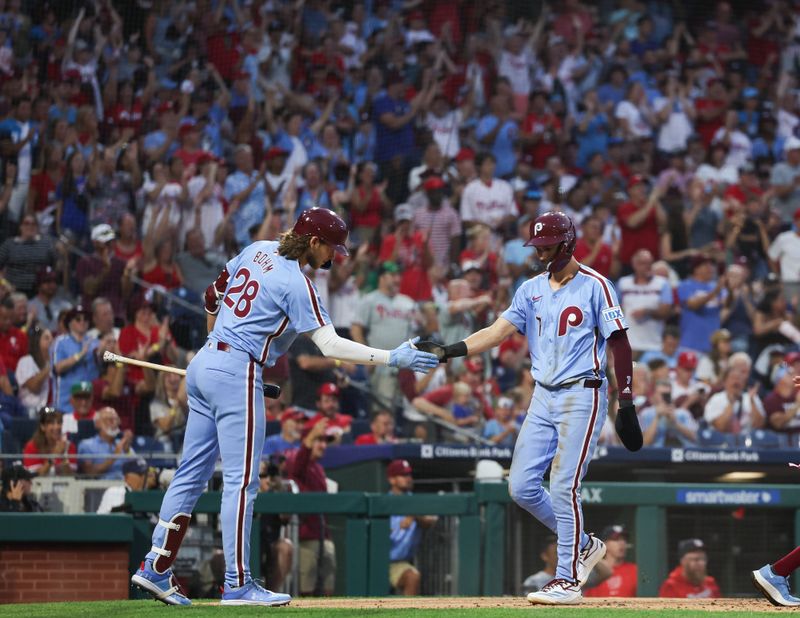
246	291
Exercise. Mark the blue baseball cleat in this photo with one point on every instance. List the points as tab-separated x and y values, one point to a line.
775	588
163	587
253	594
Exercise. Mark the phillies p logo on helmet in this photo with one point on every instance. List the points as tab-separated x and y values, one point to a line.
537	228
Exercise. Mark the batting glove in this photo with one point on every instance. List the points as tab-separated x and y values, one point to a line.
406	356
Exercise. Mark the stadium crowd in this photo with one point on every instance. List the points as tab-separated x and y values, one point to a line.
144	143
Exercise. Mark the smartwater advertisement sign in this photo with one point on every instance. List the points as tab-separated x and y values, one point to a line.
729	497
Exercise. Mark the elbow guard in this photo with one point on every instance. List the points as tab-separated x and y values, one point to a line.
215	292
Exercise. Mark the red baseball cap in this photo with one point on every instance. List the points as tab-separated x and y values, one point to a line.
71	75
635	180
186	128
687	360
164	107
791	358
398	467
433	183
274	151
474	365
465	154
291	415
329	388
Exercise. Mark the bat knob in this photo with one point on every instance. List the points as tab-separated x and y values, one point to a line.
108	356
272	391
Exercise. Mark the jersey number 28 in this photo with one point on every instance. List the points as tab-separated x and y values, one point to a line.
247	291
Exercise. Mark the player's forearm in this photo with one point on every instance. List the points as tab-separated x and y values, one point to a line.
489	337
334	346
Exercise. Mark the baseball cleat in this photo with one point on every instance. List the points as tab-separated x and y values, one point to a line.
557	592
775	588
593	553
253	594
163	587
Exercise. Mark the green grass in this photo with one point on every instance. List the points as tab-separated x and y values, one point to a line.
145	609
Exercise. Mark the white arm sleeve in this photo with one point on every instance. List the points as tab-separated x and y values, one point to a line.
334	346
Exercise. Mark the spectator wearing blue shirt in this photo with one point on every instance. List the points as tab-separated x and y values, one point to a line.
246	186
499	132
73	357
670	340
502	429
108	441
701	298
289	436
592	130
162	143
405	532
613	91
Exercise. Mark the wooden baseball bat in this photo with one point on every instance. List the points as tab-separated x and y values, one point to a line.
273	391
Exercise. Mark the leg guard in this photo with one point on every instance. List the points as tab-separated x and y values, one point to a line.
176	530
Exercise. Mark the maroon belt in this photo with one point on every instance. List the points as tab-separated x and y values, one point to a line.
224	347
592	383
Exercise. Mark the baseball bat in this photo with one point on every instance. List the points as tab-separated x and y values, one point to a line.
272	391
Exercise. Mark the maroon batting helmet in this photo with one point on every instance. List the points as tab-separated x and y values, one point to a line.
325	225
554	228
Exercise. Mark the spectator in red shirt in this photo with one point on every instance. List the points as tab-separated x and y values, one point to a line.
13	342
435	402
190	151
317	551
42	190
590	250
711	110
690	580
381	430
624	575
328	408
48	440
541	131
144	339
410	250
639	220
368	202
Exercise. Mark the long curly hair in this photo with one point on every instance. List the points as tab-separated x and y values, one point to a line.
291	246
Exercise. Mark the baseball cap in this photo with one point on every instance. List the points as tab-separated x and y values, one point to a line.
403	212
613	532
473	365
164	107
398	467
433	183
81	388
791	358
330	432
46	274
388	267
699	260
134	466
16	472
750	93
102	233
687	360
533	193
186	128
329	388
635	180
465	154
273	152
291	414
791	143
687	546
75	312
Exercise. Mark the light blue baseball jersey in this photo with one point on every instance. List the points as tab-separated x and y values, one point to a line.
567	328
267	302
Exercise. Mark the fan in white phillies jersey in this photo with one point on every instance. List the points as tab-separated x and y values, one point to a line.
487	199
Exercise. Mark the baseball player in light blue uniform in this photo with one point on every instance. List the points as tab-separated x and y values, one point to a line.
257	307
568	314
